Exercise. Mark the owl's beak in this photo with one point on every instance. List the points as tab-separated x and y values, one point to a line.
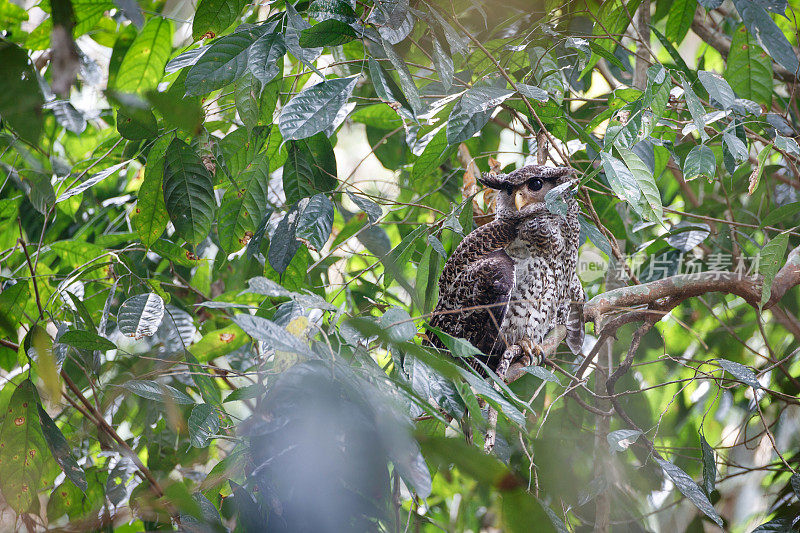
520	200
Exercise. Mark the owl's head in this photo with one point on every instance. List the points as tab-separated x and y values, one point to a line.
521	191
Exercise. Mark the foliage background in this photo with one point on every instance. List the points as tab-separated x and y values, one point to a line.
222	226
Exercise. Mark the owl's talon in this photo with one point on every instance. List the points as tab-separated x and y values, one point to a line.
533	351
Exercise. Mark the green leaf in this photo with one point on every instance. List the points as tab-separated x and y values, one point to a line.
650	198
150	215
295	24
315	109
143	65
740	372
271	334
410	90
22	461
427	279
787	144
215	16
309	169
690	489
695	109
183	113
136	126
322	10
203	424
86	340
330	32
12	304
40	191
61	450
621	440
700	161
755	176
613	18
473	111
681	14
717	88
262	59
373	210
748	68
21	99
760	24
140	315
783	213
443	64
188	192
255	390
709	466
436	151
770	260
205	383
244	205
152	390
316	222
283	244
225	61
542	373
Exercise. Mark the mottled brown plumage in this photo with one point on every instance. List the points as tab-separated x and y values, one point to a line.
509	282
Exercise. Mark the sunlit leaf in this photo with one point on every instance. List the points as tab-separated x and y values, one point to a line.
203	424
140	315
24	448
152	390
215	16
188	192
315	108
143	65
690	489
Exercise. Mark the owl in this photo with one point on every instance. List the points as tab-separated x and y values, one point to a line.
509	282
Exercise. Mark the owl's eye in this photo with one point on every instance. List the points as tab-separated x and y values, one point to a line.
535	184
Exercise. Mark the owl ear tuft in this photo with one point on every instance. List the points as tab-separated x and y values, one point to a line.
493	181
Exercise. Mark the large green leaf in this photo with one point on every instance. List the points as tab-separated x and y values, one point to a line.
12	305
20	98
150	215
224	62
61	450
309	169
144	62
435	152
244	205
271	334
760	24
315	109
22	460
283	245
215	16
315	222
203	424
139	316
749	68
153	390
700	161
330	32
188	192
717	88
681	13
770	261
651	198
690	489
695	109
263	56
473	111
